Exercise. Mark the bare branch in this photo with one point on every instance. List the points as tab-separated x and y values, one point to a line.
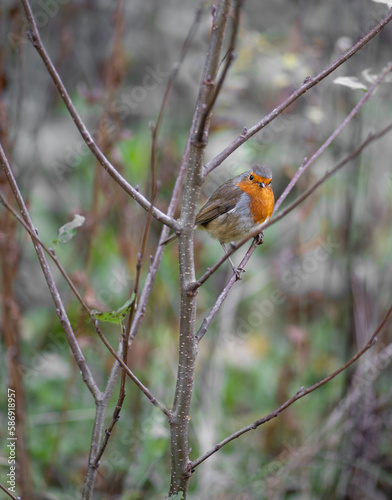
371	138
300	394
306	164
307	84
51	254
60	309
112	171
222	296
131	375
208	319
8	492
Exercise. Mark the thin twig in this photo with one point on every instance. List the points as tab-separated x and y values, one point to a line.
107	165
222	296
117	410
60	309
308	84
304	166
229	59
307	162
300	394
50	252
309	191
9	493
131	375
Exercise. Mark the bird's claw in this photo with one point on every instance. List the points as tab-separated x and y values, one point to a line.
237	271
259	238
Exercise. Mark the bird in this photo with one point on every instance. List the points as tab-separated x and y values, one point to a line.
238	207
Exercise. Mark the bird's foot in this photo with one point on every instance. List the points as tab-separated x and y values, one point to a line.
237	271
259	238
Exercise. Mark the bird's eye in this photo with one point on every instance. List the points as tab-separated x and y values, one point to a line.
251	177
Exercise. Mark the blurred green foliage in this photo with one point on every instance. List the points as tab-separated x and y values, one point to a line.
311	295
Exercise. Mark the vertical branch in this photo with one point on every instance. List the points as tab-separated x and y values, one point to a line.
179	425
137	314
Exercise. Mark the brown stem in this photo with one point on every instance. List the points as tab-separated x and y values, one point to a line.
11	330
131	375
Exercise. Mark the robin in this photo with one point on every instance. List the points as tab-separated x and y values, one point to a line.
238	207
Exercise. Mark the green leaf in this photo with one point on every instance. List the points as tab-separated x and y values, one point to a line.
115	317
68	231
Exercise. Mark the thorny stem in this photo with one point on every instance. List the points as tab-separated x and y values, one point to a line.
308	84
300	394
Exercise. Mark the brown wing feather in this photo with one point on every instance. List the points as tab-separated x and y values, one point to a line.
223	200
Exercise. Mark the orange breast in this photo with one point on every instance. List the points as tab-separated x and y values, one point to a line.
261	203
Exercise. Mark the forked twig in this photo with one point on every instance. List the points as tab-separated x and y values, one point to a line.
308	84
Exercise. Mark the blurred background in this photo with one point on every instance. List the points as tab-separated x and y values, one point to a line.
311	296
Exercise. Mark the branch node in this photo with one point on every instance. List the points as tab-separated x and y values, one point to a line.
192	289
